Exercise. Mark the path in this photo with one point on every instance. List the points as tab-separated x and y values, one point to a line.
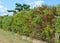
9	37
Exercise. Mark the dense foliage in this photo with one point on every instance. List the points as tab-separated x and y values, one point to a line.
39	22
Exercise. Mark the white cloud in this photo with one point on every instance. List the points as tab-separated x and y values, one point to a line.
3	10
38	3
3	14
35	2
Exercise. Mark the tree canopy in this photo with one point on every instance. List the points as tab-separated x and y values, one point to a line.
19	7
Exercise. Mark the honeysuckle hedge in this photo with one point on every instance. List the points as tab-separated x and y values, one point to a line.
39	23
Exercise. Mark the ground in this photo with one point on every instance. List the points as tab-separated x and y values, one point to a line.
10	37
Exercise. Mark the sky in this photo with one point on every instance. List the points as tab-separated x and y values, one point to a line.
10	4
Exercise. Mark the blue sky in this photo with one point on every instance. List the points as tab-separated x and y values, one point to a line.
10	4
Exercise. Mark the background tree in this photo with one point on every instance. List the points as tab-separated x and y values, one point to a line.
19	7
26	7
12	11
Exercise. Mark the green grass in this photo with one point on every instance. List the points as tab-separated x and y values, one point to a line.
9	37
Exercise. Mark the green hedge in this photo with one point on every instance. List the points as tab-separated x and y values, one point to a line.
36	23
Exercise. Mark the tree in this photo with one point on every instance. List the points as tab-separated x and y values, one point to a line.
12	11
26	7
19	7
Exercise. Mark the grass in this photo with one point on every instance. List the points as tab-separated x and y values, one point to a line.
9	37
